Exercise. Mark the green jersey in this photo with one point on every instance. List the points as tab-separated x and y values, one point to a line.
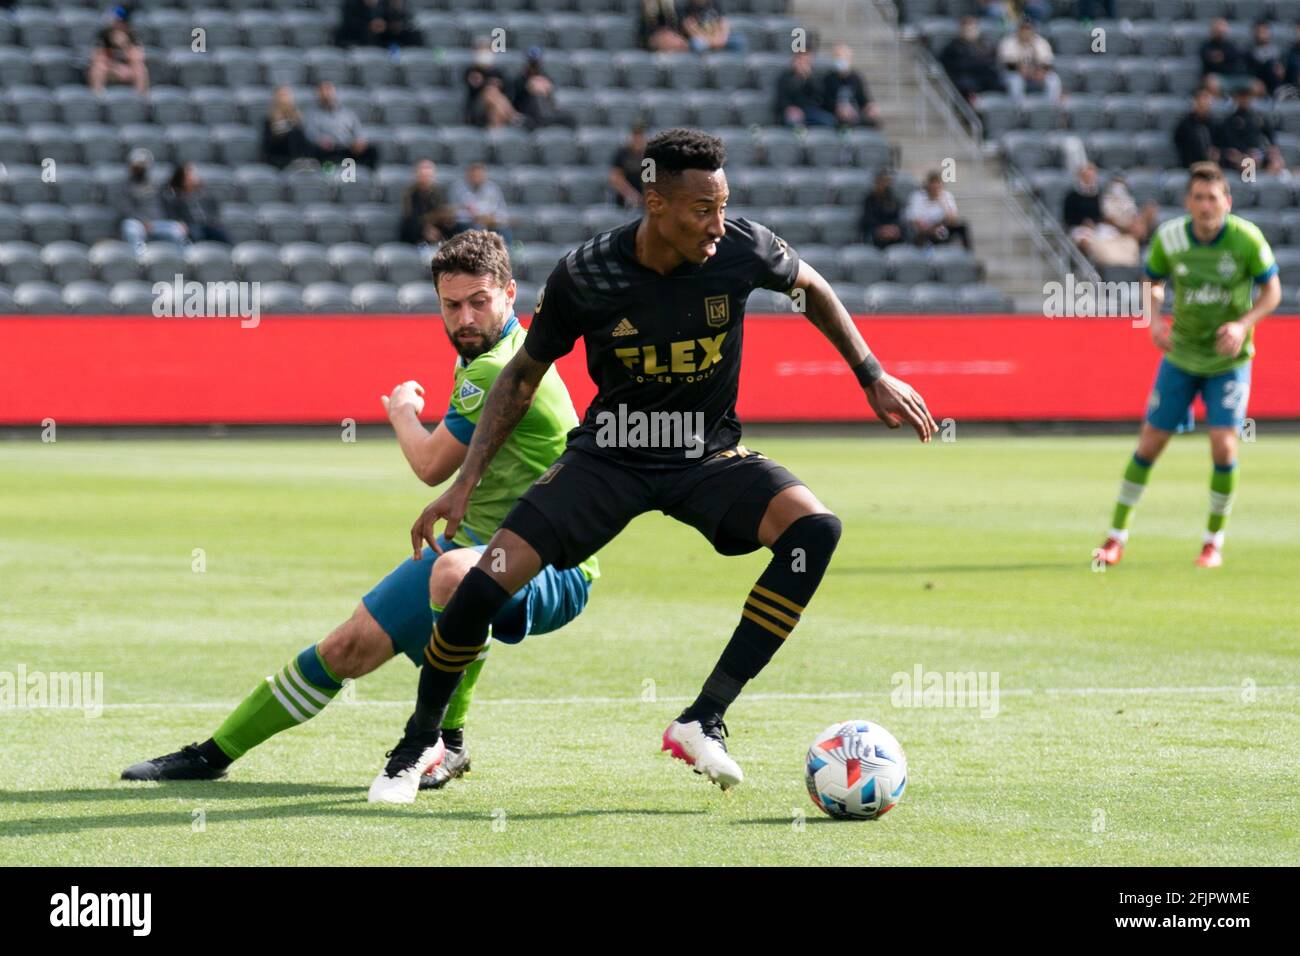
532	447
1212	283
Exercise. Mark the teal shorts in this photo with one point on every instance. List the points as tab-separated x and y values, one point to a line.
400	603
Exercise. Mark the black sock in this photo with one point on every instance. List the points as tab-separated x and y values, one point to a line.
453	739
799	559
214	755
459	636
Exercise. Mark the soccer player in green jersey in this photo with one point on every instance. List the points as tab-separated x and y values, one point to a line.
1214	260
476	293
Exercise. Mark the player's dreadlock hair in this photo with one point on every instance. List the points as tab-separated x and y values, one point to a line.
476	252
675	150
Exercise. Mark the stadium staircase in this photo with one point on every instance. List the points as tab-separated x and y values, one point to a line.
1019	243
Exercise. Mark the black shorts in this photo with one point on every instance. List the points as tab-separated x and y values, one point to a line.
583	501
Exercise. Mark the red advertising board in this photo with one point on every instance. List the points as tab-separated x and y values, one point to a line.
322	369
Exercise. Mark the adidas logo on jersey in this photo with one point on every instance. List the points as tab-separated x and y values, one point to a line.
624	327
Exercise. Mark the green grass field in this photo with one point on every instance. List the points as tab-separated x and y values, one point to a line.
1149	714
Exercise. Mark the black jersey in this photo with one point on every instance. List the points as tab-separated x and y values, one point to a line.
658	343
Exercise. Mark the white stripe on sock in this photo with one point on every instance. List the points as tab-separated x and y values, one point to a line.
303	684
1130	492
284	702
311	709
1221	502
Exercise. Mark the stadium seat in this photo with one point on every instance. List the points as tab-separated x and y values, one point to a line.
305	263
38	298
418	297
113	261
398	263
328	297
906	265
280	298
21	262
375	297
66	262
257	262
351	263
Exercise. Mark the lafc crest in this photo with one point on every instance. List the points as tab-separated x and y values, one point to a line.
717	310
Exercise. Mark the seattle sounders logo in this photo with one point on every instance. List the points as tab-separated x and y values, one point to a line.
469	396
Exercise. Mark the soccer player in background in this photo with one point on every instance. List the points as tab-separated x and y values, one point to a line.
659	303
1214	259
476	293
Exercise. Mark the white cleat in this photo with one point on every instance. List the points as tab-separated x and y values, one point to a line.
399	781
702	747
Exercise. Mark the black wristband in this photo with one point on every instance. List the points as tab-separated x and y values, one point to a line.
868	371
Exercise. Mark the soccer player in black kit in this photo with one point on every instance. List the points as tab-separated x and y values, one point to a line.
659	303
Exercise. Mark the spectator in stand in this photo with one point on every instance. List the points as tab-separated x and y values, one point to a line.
284	141
660	29
1246	136
1027	57
1213	85
117	57
971	63
994	11
1120	209
881	223
625	169
1264	58
486	102
1095	9
534	96
1195	134
398	30
799	97
335	130
707	29
427	216
931	214
140	206
360	23
845	93
1082	206
1101	241
1220	55
187	202
1039	11
1293	60
479	203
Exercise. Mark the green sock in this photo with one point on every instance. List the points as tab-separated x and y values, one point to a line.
1223	485
1130	492
296	694
458	707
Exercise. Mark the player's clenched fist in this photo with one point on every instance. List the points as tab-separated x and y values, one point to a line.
408	393
451	505
895	402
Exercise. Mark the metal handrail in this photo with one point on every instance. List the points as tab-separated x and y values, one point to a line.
1019	199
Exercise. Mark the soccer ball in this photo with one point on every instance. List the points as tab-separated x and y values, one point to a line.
855	770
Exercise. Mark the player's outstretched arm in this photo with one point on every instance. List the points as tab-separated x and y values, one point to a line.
893	400
507	401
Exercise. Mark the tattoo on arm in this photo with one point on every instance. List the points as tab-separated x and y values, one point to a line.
827	313
506	404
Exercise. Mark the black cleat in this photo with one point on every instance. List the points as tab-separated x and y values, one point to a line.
186	764
455	763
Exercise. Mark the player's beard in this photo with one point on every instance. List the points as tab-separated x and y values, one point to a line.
471	347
